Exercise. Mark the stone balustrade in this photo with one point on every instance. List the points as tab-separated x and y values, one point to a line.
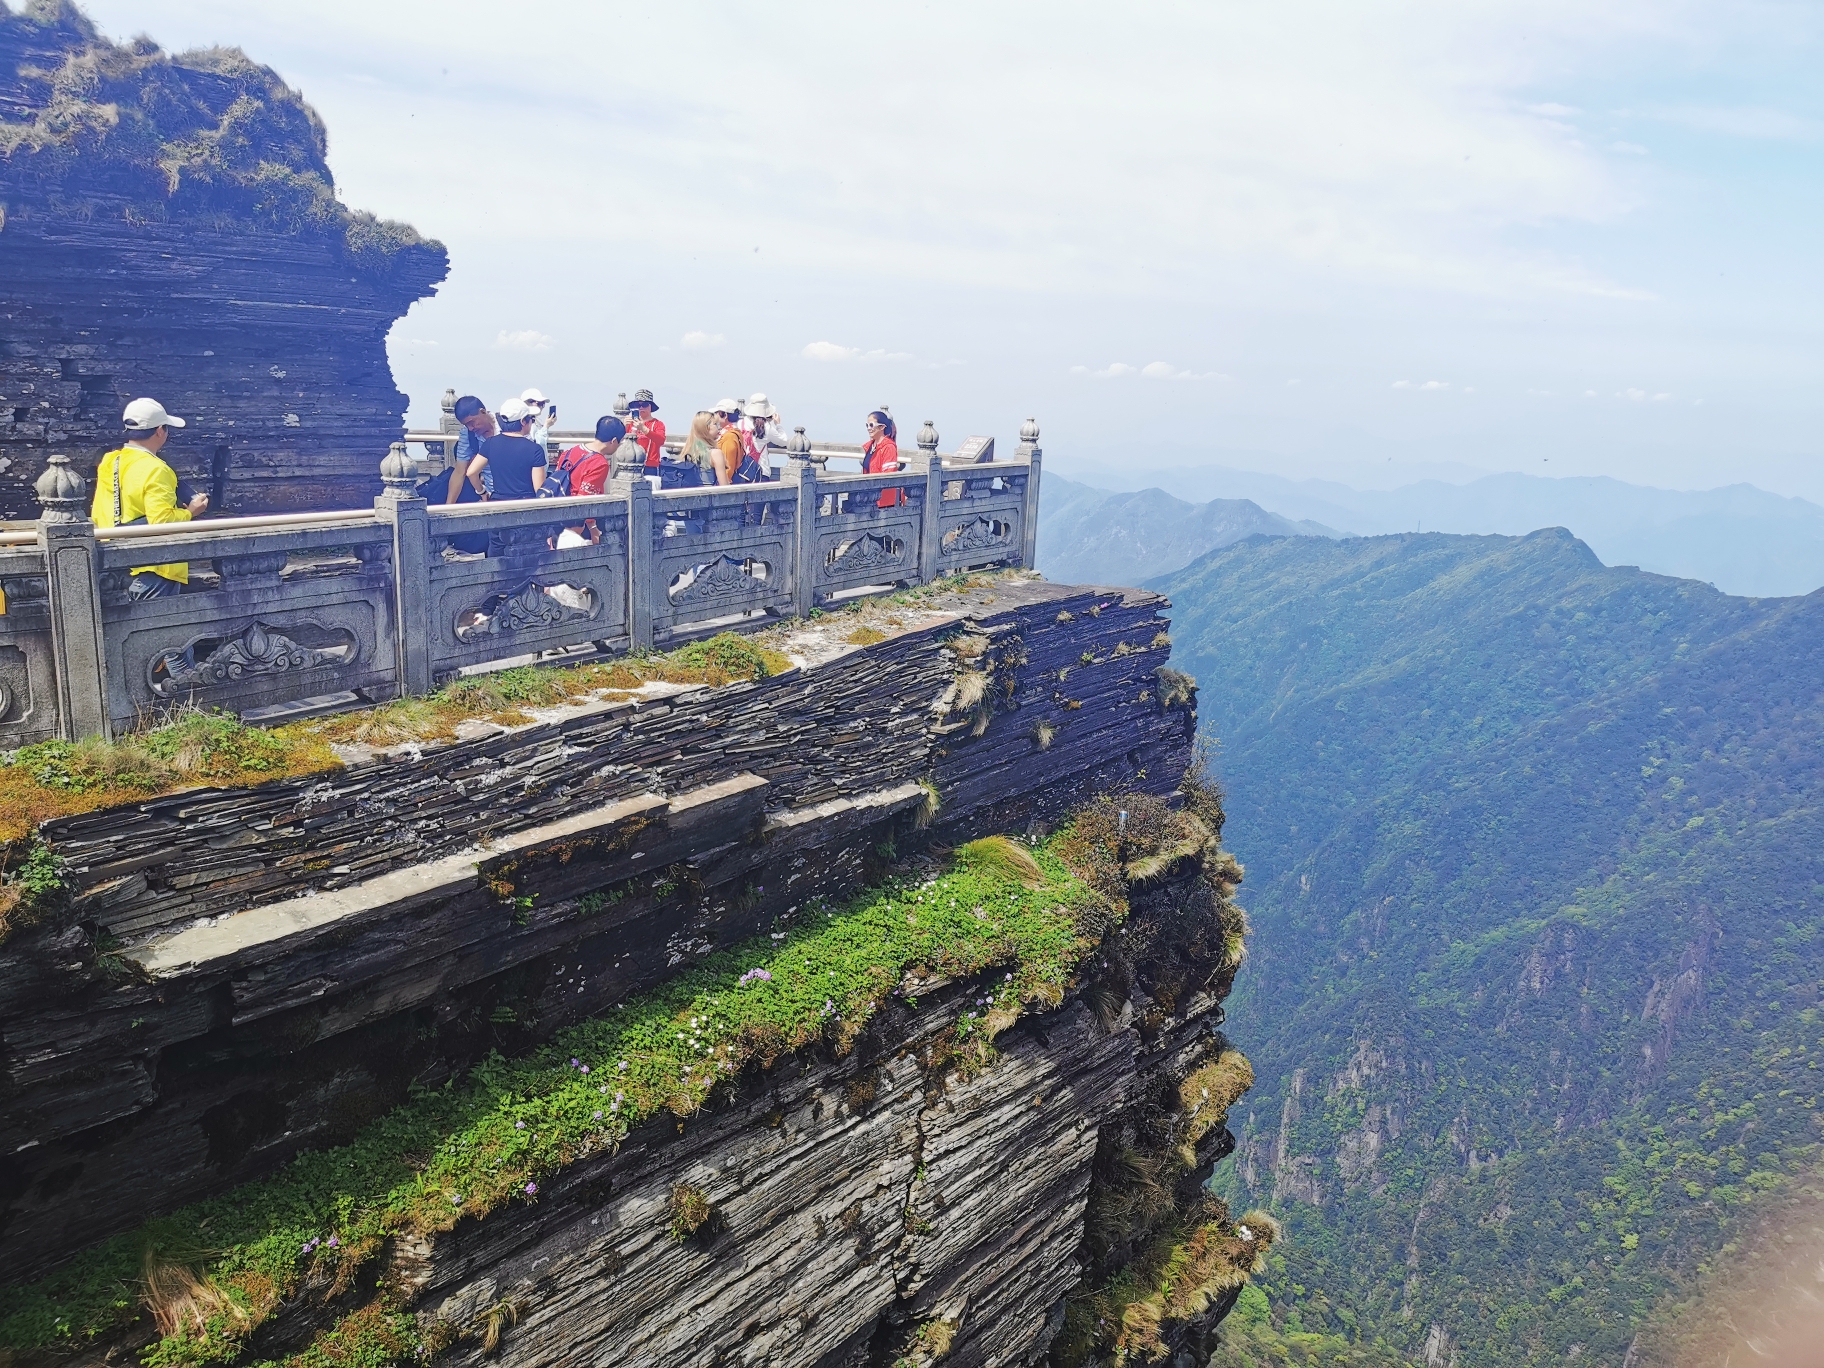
315	612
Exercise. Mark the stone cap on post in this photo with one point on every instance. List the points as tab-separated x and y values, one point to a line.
798	448
62	492
1029	438
398	474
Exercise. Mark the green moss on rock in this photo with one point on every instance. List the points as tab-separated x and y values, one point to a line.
94	130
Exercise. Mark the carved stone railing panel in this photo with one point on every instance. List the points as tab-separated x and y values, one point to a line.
28	684
860	543
983	517
720	553
523	596
240	649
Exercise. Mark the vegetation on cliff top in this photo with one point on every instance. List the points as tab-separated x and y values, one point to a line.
208	136
1534	848
191	748
1017	918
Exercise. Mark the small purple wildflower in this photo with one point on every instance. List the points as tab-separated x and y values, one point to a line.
585	1068
531	1189
333	1241
755	975
598	1116
576	1063
519	1125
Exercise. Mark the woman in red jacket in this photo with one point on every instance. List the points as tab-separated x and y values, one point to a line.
881	455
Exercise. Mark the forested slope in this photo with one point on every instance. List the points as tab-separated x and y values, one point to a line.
1533	852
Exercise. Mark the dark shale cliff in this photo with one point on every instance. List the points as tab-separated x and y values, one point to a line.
937	925
169	226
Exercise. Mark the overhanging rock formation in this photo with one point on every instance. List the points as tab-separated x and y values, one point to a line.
169	226
190	1024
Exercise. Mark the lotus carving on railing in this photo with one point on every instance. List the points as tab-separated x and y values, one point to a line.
531	605
978	534
258	650
870	551
723	578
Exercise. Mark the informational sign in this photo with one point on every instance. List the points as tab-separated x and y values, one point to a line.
974	451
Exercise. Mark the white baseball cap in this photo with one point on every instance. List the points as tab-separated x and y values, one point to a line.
513	411
727	406
148	415
534	398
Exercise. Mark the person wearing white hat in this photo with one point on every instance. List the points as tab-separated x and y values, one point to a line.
133	484
760	427
544	415
726	424
517	462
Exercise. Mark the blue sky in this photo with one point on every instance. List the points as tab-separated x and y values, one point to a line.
1363	241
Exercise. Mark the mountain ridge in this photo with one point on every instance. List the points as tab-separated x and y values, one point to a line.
1090	535
1740	537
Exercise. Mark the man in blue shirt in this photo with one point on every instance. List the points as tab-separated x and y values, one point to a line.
477	427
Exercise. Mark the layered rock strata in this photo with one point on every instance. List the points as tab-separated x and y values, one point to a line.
889	1199
454	898
270	347
862	1200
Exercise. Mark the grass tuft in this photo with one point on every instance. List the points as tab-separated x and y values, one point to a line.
690	1211
1175	687
1002	857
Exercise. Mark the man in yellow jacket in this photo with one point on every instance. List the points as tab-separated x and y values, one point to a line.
133	485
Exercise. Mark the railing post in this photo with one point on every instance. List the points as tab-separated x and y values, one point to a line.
411	524
72	562
930	528
641	590
1029	517
803	473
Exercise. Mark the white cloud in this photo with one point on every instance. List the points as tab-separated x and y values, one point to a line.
1589	394
832	351
1632	149
702	341
526	339
1553	111
1114	370
1165	370
1540	394
1634	394
1422	384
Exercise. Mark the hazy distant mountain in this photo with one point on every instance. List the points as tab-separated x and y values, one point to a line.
1092	536
1535	862
1739	538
